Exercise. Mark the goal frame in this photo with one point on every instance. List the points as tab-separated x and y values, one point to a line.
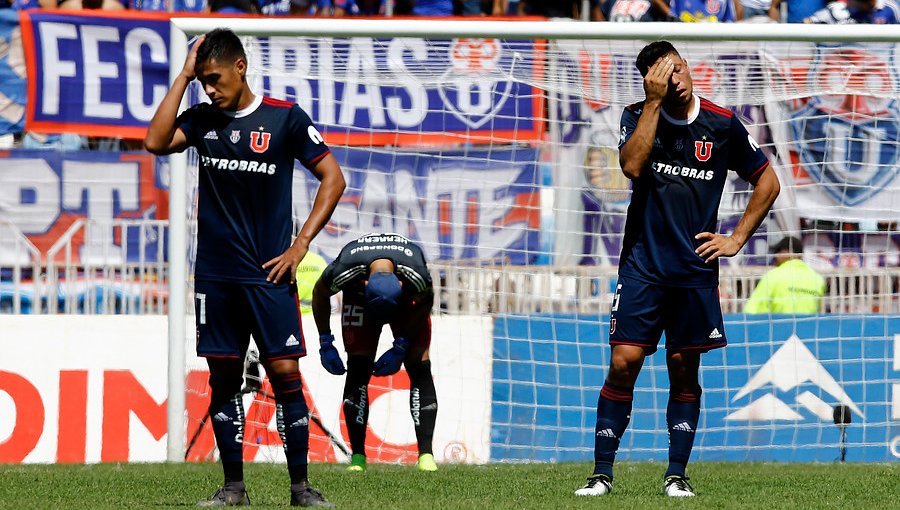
183	27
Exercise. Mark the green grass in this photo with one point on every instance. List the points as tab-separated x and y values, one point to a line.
493	487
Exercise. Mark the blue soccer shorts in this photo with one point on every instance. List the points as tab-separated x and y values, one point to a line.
228	313
641	312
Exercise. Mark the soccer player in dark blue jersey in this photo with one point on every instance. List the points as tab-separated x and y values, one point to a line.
677	149
385	281
246	262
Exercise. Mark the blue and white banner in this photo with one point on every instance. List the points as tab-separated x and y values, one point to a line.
104	75
95	74
769	396
840	137
366	91
476	205
12	74
43	192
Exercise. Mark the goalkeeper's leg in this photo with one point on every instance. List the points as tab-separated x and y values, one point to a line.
356	405
423	406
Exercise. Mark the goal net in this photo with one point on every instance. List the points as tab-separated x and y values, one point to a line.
493	146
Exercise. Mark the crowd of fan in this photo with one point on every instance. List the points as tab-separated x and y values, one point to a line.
789	11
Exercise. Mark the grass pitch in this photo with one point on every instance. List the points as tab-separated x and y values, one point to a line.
493	487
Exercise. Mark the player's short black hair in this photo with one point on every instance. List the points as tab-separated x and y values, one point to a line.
221	45
651	53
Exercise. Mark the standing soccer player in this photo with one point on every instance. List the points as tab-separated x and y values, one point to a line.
245	260
385	281
677	149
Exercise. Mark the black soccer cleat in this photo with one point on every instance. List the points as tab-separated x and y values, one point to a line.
304	495
225	496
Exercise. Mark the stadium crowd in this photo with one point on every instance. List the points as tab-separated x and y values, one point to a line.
788	11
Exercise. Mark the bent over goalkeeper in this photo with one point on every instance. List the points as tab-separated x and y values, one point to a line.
385	281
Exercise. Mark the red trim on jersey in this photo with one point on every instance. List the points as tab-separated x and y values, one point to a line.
754	177
271	101
706	105
319	157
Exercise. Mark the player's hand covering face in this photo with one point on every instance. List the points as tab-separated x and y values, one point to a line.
681	85
222	82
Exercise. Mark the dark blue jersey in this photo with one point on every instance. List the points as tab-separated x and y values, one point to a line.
677	195
246	168
351	267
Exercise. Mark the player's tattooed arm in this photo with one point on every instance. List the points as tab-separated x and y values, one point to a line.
764	194
635	154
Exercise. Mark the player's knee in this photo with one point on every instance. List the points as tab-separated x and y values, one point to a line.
623	370
685	393
419	372
286	386
224	385
359	372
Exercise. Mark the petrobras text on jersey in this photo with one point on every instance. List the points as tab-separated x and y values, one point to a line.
683	171
241	165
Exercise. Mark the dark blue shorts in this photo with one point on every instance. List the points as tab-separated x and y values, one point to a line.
228	313
691	318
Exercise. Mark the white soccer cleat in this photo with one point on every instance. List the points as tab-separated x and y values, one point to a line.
596	486
678	487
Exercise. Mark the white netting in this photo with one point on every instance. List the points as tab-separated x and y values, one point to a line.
498	157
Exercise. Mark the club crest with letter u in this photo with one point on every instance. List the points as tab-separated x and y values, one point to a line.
703	150
259	141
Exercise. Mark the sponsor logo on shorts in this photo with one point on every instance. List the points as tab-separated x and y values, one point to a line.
291	341
715	334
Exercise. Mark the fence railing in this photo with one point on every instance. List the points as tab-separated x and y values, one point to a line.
119	267
20	264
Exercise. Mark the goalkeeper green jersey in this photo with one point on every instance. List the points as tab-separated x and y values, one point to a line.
791	288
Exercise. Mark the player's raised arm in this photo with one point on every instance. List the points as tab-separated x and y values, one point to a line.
163	136
634	153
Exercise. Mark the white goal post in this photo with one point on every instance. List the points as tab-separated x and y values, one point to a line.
183	28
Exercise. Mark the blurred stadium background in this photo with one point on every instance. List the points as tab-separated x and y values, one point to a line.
498	155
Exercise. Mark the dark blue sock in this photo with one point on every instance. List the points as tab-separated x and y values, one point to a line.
292	416
613	415
682	415
227	419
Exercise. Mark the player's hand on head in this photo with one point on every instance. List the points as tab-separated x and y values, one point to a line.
190	63
656	83
715	246
286	264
